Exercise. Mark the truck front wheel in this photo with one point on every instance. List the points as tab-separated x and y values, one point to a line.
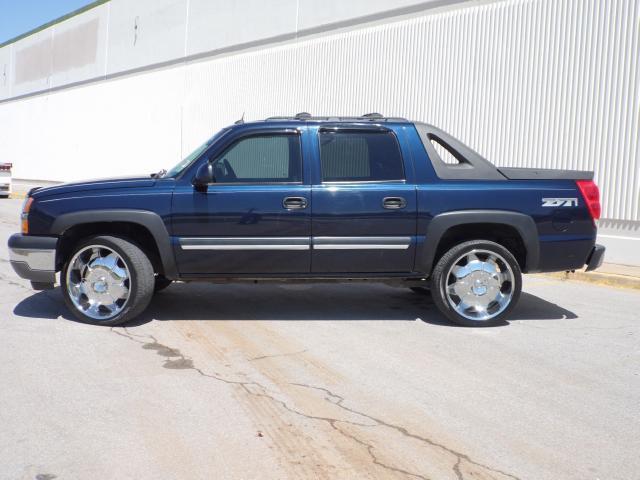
476	283
107	281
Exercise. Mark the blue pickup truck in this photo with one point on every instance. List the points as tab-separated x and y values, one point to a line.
313	198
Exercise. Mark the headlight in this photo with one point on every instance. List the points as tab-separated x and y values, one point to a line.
24	217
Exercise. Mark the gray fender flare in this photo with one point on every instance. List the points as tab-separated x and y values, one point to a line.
439	225
150	220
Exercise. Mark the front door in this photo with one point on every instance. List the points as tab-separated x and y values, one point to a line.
255	218
364	202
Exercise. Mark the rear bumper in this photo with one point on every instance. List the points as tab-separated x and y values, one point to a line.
596	257
33	258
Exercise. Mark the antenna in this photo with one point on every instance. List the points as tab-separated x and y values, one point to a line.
241	121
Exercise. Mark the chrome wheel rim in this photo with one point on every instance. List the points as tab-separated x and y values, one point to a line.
98	282
479	285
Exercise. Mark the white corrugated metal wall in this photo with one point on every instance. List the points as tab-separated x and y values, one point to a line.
546	83
527	83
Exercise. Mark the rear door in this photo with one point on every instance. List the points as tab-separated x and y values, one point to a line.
256	217
364	201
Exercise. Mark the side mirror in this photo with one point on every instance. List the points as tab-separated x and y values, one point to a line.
204	176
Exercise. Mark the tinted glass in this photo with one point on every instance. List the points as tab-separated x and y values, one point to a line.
260	159
360	156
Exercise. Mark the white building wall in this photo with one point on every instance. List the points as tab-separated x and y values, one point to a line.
6	72
31	61
539	83
80	47
312	15
145	32
112	128
220	24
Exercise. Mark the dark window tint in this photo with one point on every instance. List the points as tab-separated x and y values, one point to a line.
260	159
360	156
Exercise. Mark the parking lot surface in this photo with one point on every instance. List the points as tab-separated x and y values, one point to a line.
318	381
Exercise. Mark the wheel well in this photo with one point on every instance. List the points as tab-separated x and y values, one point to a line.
133	232
505	235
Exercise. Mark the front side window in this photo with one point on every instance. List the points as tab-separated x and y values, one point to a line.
360	156
261	159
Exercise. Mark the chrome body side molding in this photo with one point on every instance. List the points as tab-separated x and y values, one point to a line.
295	243
246	243
361	243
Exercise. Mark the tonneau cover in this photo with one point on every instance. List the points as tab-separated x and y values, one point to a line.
544	174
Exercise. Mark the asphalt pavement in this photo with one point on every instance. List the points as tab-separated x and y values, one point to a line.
344	381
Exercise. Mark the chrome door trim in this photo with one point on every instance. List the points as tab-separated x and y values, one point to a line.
361	243
295	243
245	243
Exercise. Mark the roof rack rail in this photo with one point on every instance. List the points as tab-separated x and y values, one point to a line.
369	117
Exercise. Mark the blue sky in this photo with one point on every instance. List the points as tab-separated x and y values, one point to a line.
20	16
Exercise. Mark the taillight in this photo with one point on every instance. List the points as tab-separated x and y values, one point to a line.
591	196
24	218
5	167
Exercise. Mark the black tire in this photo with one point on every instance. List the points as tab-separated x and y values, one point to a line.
445	263
161	283
141	282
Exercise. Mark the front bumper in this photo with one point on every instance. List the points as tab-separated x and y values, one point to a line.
33	258
596	257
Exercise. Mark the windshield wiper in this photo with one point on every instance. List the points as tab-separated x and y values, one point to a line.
159	174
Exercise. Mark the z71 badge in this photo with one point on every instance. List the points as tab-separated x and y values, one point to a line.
559	202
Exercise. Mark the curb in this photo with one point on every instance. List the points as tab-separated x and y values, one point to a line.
599	278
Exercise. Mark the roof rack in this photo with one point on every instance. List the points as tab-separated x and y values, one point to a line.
367	117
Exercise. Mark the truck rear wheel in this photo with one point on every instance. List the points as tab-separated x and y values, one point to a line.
107	281
476	283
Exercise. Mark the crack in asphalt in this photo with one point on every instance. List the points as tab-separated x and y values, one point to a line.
402	430
175	359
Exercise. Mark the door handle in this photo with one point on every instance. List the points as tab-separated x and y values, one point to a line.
294	203
394	203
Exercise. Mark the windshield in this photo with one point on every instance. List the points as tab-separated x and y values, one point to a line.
189	159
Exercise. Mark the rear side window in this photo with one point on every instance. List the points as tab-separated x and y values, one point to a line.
261	159
360	156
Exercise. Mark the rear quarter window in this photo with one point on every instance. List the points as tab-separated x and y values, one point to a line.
360	156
